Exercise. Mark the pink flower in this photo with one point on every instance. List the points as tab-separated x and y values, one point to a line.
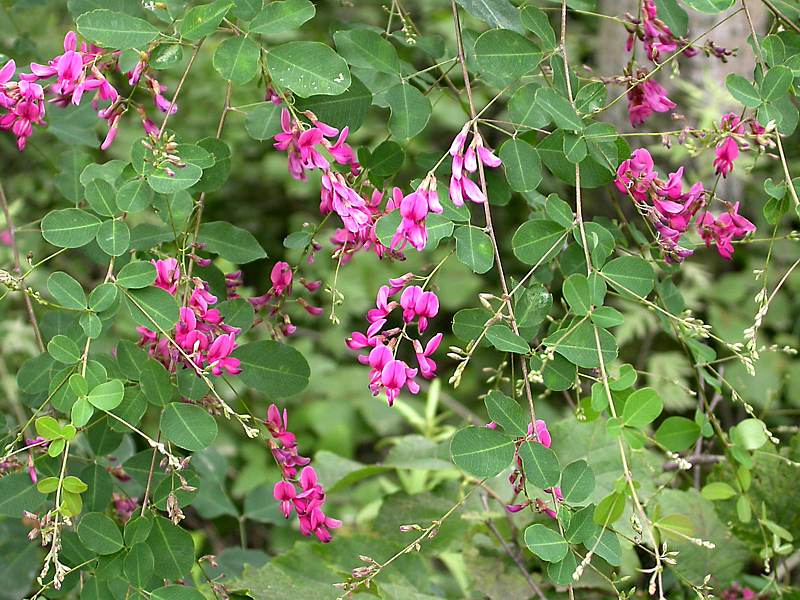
285	493
396	375
542	434
726	152
168	274
636	174
427	367
722	230
466	162
281	278
219	358
645	99
414	209
340	198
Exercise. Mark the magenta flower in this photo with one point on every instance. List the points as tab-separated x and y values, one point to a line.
722	230
414	209
168	274
340	198
427	367
24	101
645	99
465	161
281	278
636	174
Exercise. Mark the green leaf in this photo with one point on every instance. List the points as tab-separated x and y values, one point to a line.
776	83
216	176
48	485
138	529
546	543
116	30
577	482
677	433
710	7
474	248
606	316
578	345
134	196
172	549
139	564
81	412
176	592
136	274
344	110
507	413
386	159
505	340
103	297
468	323
153	308
575	148
673	16
559	108
576	293
581	525
368	49
48	428
742	90
236	59
156	383
74	484
560	572
201	21
717	490
506	55
537	22
272	368
522	165
496	13
188	426
481	452
18	494
749	433
114	237
66	291
70	227
411	110
286	15
230	242
101	197
642	408
308	69
538	240
180	178
532	306
99	533
107	396
264	121
541	464
523	109
610	509
64	350
605	544
559	374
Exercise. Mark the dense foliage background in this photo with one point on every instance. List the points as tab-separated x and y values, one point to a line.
669	388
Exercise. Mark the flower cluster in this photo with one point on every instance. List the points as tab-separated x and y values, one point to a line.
201	333
414	209
304	495
647	96
727	150
74	73
281	278
517	476
671	210
465	162
386	371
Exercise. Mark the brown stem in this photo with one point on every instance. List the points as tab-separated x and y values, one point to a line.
18	269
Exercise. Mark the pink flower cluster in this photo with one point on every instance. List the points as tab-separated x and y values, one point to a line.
517	478
671	210
281	278
659	43
76	72
414	209
645	99
386	371
465	162
727	150
304	495
201	332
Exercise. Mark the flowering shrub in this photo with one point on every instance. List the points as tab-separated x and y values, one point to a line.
421	231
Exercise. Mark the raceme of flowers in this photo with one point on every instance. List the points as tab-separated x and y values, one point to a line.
387	372
71	75
205	341
304	494
659	42
671	210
